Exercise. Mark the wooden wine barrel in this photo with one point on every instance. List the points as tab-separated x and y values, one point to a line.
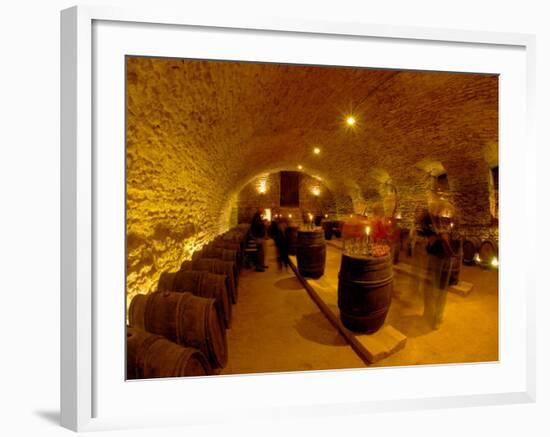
337	228
327	228
238	247
365	287
488	250
219	267
470	246
184	319
225	255
166	281
153	356
292	238
311	253
395	251
209	285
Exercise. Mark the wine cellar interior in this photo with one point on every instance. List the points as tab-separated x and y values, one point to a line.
293	218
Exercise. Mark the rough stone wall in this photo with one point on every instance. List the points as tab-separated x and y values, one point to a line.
251	197
316	204
177	177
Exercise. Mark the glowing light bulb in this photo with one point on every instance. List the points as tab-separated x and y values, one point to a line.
300	167
367	230
316	150
316	191
494	262
350	120
290	216
326	215
262	186
477	258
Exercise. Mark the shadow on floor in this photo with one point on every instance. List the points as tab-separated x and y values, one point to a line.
411	326
50	416
289	284
315	327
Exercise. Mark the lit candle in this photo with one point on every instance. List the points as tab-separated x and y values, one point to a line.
367	231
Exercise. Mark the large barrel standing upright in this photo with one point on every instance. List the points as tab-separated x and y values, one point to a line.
184	319
337	228
327	228
311	253
365	287
153	356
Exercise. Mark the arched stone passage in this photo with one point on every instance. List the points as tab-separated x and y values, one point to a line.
264	191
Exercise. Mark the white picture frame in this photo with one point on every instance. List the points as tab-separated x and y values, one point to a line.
83	368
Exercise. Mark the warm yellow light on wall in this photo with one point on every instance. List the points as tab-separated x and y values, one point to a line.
350	121
290	216
316	191
316	150
300	167
494	262
262	186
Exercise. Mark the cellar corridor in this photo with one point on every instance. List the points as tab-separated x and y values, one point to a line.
277	327
290	333
380	186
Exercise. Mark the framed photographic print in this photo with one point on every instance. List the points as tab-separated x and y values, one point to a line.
256	209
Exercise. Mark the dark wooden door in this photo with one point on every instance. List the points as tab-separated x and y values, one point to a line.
290	188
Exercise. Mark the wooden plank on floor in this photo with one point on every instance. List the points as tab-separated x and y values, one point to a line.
369	347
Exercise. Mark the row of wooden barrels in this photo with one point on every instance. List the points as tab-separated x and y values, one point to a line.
486	249
180	330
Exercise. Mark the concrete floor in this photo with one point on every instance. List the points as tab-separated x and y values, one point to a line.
469	332
277	327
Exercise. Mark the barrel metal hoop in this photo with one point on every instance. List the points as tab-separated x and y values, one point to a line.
380	282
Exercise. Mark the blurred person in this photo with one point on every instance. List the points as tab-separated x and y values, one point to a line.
281	243
258	233
439	272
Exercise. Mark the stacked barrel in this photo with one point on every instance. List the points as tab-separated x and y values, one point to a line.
180	330
477	251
